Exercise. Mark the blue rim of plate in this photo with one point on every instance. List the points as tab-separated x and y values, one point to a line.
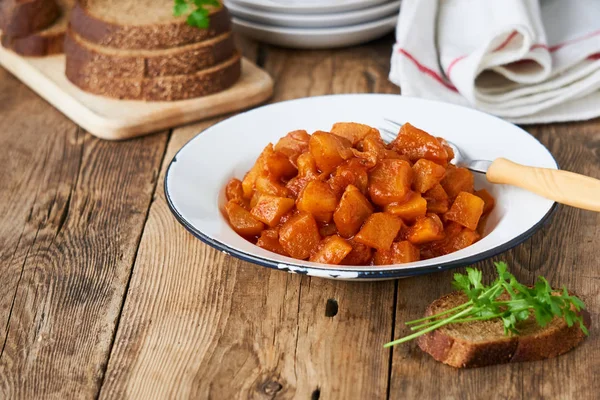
350	273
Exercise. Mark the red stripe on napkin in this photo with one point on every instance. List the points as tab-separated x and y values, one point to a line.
427	71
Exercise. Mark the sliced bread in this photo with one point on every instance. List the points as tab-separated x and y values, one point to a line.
144	24
164	88
481	343
94	60
45	42
25	17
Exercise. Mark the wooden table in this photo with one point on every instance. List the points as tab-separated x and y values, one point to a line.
104	294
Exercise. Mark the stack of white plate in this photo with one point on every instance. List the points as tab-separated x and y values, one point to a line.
314	24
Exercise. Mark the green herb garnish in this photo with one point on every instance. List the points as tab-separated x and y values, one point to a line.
198	11
484	304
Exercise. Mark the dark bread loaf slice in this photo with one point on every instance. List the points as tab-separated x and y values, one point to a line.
96	60
164	88
144	24
25	17
481	343
45	42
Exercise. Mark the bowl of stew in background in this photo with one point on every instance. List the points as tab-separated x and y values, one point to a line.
196	178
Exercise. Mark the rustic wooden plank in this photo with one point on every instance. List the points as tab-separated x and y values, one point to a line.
201	324
565	251
72	210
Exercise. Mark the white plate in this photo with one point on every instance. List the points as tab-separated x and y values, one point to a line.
316	38
195	180
313	20
308	6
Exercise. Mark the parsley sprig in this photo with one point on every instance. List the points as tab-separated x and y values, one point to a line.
485	304
198	11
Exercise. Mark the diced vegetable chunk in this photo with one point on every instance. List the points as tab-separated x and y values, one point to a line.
242	221
457	180
415	206
279	166
318	199
437	200
390	181
331	250
352	211
355	173
299	236
293	144
360	254
379	231
426	229
269	209
329	150
352	131
427	175
269	240
267	185
488	200
466	210
257	170
399	253
234	191
417	144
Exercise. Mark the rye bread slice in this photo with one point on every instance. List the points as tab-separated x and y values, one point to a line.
45	42
95	60
482	343
164	88
146	24
25	17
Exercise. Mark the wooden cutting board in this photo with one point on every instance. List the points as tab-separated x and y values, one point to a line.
113	119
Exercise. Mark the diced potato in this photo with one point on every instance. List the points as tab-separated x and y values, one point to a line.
318	199
427	175
416	144
293	144
257	170
466	210
269	240
352	131
299	236
447	147
234	191
269	209
355	172
399	253
352	211
488	200
464	238
457	180
296	185
279	166
254	200
426	229
360	254
307	167
267	185
379	231
390	181
437	200
331	250
415	206
242	221
329	150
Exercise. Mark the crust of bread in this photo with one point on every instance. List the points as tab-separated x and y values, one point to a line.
165	88
25	17
95	60
45	42
95	29
482	343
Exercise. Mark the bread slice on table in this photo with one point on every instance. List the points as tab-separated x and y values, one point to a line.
481	343
25	17
164	88
95	60
143	24
45	42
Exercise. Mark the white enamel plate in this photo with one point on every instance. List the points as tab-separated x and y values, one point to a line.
195	180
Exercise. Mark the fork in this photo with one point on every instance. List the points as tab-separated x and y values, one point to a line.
561	186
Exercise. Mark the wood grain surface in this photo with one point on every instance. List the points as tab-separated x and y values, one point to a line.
89	308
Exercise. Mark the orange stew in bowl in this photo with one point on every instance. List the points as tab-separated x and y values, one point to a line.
345	197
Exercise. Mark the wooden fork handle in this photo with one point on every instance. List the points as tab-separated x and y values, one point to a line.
562	186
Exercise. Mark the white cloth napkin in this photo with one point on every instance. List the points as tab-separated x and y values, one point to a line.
527	61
